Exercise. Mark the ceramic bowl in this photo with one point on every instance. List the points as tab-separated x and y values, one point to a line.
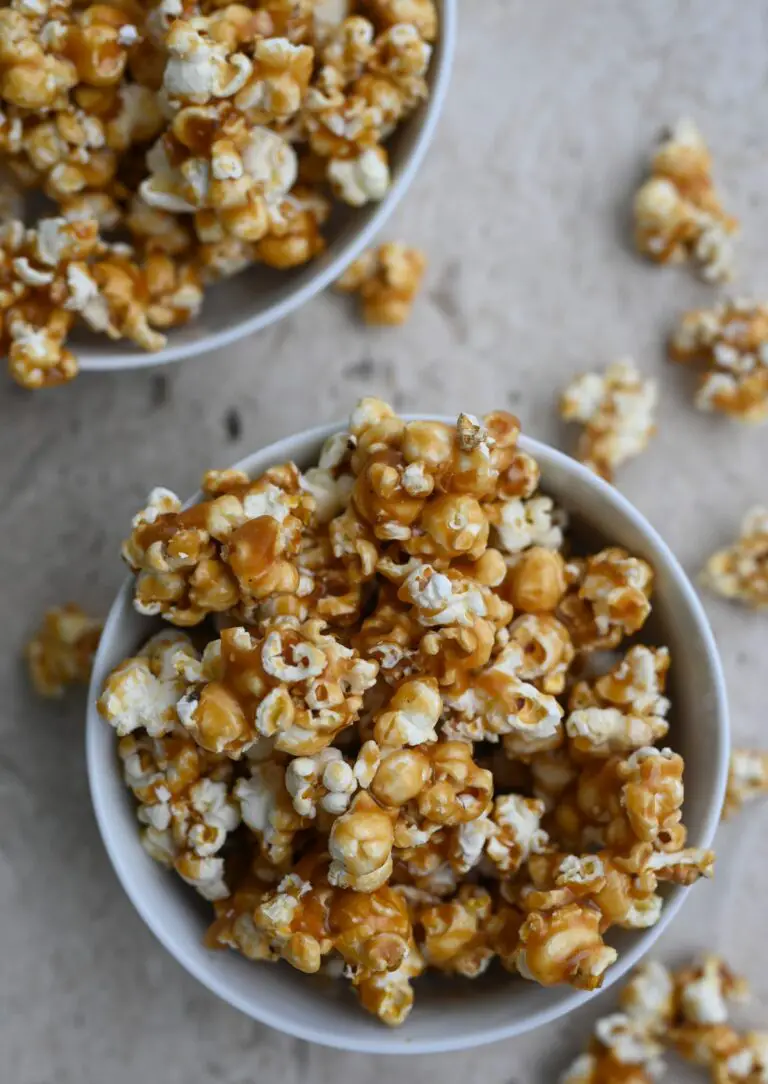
261	296
449	1014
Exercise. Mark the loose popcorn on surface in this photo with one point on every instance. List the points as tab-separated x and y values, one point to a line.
387	280
740	572
747	779
377	748
685	1012
61	651
678	214
617	410
728	346
190	141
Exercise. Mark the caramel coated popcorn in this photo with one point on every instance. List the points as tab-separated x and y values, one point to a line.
388	741
678	214
387	280
747	779
686	1012
617	411
61	651
728	346
740	572
187	141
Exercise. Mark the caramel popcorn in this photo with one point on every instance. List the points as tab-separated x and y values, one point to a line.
143	691
455	936
607	599
421	13
678	214
381	754
747	779
623	710
61	652
517	832
685	1011
623	1051
210	132
186	806
564	946
740	572
387	280
728	346
617	411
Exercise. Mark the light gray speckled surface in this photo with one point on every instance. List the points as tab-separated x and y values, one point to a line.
522	207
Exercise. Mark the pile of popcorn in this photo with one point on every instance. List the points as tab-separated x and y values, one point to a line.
686	1012
404	731
181	141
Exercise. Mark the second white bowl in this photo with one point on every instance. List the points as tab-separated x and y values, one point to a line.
449	1014
261	296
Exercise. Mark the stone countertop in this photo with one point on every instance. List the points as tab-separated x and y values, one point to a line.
522	207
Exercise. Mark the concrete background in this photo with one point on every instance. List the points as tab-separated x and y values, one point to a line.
522	207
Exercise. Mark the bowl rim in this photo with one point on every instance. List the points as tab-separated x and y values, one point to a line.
442	62
389	1041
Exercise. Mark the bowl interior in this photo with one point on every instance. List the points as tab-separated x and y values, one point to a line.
260	296
449	1014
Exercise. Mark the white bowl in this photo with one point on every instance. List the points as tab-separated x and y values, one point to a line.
261	295
449	1014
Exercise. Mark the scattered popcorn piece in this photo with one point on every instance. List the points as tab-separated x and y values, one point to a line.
728	346
649	997
684	1011
678	214
61	652
747	779
740	572
704	990
622	1050
387	280
617	410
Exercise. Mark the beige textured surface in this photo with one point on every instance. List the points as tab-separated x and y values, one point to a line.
522	206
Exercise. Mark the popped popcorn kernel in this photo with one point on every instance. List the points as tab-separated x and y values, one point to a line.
740	572
617	411
623	710
565	945
61	652
608	598
387	280
678	214
728	346
419	13
747	779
